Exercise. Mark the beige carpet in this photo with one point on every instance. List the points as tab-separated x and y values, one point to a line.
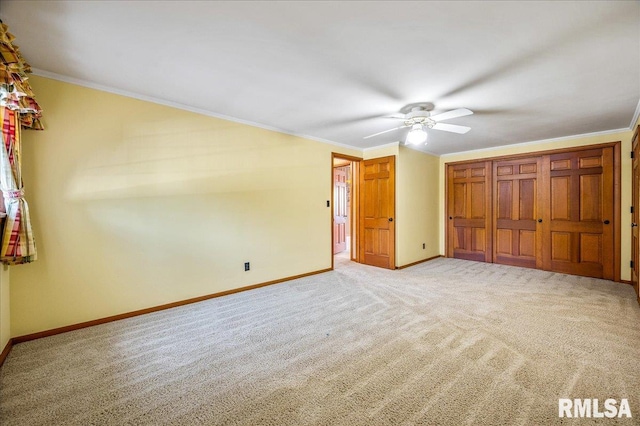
446	342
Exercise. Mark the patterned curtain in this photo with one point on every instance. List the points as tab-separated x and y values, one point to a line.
18	245
18	109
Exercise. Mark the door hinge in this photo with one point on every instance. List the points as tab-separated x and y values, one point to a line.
631	209
631	264
631	154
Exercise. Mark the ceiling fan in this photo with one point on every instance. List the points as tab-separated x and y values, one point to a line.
419	119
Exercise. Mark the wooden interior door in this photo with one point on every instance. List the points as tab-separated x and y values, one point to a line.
377	212
469	211
635	209
579	221
340	212
517	232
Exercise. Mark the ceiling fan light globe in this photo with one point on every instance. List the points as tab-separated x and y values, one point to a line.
416	135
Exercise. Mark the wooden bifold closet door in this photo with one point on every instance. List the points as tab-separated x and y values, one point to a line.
579	218
518	204
551	211
469	210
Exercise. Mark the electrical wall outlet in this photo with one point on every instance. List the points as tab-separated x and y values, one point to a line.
424	246
247	266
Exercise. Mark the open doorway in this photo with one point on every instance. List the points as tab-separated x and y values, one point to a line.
341	210
344	177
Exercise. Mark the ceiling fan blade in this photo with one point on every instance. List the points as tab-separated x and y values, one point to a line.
384	131
460	112
451	128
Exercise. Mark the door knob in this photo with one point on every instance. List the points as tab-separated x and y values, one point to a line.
450	217
390	219
539	220
606	222
633	224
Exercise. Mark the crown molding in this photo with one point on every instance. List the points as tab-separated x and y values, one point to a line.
103	88
128	94
636	115
515	145
371	148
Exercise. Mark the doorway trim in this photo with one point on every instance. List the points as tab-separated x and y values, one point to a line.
355	197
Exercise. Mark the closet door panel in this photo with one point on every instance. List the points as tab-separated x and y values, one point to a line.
516	198
580	222
469	211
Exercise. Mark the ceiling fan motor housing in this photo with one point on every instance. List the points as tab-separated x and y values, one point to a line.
419	115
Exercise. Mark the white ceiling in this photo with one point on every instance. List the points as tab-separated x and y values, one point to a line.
332	70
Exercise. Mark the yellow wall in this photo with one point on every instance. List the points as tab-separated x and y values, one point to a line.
418	218
624	137
136	204
5	312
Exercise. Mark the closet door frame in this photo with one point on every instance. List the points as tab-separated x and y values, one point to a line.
616	190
